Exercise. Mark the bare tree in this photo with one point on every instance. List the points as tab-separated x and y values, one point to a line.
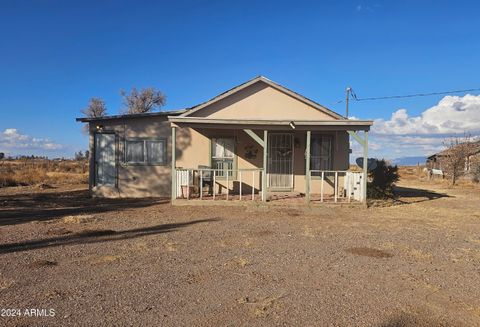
96	108
456	156
145	100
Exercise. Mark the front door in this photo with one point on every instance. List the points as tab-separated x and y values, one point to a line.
280	161
105	163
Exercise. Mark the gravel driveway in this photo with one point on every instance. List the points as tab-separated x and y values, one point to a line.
147	263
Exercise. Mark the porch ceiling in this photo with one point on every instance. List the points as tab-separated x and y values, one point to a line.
339	124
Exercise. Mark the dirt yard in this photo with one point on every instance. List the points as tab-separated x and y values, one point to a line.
146	263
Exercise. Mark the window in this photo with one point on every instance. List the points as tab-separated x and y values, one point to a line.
222	156
156	152
320	153
147	152
135	153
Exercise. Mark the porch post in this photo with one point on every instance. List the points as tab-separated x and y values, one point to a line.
365	165
174	161
307	167
264	174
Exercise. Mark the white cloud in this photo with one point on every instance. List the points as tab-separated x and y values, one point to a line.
452	114
408	136
12	141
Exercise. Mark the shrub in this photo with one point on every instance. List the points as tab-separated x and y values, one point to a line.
383	177
476	171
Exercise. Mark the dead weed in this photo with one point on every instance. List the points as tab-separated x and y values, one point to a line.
80	219
42	263
369	252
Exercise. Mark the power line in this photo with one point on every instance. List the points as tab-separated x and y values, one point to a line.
354	96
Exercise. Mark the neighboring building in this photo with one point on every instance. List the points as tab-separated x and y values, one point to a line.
258	138
437	161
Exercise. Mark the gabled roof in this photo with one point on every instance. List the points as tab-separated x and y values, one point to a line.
474	148
273	85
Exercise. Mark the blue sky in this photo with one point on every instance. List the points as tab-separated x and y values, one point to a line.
55	55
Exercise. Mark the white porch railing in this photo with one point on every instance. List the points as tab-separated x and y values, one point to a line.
338	185
226	184
246	184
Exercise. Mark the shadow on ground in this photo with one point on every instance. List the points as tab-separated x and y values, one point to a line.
409	320
406	195
23	208
97	236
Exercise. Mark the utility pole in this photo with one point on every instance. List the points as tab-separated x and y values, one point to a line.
347	97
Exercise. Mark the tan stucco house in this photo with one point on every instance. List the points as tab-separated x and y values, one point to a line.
258	141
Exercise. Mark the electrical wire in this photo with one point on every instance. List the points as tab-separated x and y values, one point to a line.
354	96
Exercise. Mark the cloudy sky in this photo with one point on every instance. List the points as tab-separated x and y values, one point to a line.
402	135
57	54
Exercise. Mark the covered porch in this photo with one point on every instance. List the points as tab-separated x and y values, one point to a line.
266	161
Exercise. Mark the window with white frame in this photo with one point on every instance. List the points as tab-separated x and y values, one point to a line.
146	151
223	150
320	153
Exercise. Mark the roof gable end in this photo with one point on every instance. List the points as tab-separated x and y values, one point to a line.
242	88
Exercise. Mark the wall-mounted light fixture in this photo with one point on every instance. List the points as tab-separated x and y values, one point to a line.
292	125
99	127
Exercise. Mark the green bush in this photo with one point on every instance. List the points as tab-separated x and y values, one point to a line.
383	177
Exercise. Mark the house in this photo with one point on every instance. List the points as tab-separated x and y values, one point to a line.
257	141
437	162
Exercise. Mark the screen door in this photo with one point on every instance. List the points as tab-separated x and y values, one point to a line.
280	161
105	163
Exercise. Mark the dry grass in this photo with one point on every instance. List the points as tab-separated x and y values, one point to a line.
79	219
42	172
411	173
42	263
369	252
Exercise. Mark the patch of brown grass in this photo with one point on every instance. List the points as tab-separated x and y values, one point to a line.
5	283
79	219
104	259
42	263
369	252
23	177
35	171
58	231
263	307
67	178
261	233
95	232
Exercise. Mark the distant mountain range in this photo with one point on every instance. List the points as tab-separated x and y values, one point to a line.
408	161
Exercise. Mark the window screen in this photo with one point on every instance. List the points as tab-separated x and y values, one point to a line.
156	153
320	153
222	156
146	152
135	152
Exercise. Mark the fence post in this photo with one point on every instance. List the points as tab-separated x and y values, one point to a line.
174	172
253	185
240	185
201	183
365	163
214	184
335	183
264	177
321	187
228	188
307	167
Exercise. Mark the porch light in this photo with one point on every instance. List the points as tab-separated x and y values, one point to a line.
292	125
99	127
